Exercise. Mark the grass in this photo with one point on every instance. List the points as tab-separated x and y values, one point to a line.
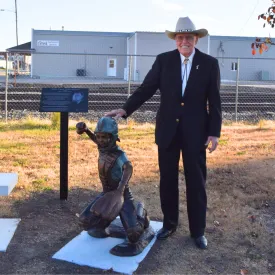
31	147
27	124
241	184
11	146
223	142
21	162
41	184
36	126
241	153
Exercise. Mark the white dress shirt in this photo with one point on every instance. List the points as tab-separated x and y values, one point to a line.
185	73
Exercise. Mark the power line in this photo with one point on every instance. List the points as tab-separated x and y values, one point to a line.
249	17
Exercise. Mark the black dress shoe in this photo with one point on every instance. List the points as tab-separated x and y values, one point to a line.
201	242
164	233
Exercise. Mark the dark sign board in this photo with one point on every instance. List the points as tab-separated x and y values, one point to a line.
71	100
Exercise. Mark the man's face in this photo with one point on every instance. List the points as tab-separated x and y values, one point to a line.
103	139
186	43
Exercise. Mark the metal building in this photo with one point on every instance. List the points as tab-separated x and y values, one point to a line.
109	55
228	49
73	53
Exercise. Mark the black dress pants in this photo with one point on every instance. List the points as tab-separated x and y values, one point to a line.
194	163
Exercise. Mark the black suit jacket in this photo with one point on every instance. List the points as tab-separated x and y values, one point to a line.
196	120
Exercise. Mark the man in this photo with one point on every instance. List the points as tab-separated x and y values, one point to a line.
188	120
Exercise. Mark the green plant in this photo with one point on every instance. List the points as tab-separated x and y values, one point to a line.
223	141
55	120
261	124
20	162
241	153
40	184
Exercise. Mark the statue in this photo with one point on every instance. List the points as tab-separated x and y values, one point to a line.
115	171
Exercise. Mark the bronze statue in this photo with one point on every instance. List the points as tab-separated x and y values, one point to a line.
115	171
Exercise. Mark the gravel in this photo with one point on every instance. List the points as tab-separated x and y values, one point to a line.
147	116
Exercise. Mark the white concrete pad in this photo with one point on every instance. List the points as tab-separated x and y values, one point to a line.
7	183
7	229
93	252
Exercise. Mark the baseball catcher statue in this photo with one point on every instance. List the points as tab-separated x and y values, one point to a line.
115	171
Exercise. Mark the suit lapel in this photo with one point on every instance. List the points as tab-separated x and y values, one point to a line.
175	67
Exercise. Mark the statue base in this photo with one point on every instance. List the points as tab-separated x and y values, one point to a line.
126	248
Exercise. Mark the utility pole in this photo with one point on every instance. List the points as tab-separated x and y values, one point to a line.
16	22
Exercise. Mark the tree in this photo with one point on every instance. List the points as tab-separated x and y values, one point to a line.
269	18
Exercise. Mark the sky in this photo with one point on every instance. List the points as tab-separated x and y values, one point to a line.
220	17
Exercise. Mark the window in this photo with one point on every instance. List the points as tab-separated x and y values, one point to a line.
234	66
111	63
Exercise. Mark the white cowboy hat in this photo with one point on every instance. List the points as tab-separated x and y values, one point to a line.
185	25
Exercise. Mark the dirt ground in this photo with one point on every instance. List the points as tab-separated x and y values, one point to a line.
240	217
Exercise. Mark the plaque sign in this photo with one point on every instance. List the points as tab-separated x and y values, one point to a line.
70	100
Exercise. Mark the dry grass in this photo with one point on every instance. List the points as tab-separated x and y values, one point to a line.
32	148
241	192
33	152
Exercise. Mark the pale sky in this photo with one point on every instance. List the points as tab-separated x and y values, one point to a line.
220	17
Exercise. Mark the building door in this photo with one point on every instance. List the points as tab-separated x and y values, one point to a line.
111	67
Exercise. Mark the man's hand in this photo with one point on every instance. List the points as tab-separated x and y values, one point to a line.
214	143
81	127
116	113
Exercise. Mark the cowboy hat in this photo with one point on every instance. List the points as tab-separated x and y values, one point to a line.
185	25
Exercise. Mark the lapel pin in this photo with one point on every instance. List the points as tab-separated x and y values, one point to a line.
197	67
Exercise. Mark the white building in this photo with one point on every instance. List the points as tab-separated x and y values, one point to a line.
108	55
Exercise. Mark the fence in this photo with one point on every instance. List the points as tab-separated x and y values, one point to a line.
247	87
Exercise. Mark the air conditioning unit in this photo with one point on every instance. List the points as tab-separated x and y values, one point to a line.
264	75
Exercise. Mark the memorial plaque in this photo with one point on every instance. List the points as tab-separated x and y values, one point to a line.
71	100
